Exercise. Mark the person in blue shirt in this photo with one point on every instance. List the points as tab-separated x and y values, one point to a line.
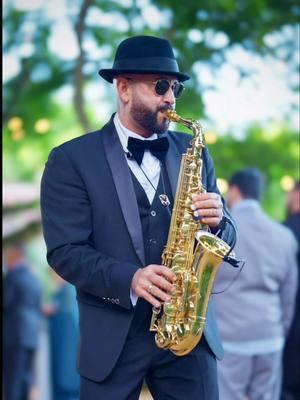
62	315
22	294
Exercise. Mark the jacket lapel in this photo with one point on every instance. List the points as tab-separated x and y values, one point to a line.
124	186
173	159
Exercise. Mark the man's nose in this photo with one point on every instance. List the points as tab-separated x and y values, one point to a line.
169	96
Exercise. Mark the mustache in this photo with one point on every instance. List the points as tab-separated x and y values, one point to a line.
165	108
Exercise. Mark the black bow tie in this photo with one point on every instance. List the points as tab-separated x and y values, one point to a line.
158	148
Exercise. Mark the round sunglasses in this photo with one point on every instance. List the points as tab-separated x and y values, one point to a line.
163	85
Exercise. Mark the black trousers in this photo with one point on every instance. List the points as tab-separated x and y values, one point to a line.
169	377
17	372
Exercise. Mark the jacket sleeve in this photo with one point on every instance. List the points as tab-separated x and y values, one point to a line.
289	286
67	227
228	233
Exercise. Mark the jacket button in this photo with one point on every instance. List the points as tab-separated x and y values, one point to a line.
152	241
117	301
153	213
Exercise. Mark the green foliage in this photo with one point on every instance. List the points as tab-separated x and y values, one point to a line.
23	160
275	158
244	22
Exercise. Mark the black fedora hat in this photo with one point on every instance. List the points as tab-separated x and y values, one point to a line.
144	55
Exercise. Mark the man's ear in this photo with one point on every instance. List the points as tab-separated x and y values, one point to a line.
123	89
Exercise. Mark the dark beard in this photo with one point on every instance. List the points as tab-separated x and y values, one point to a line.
148	119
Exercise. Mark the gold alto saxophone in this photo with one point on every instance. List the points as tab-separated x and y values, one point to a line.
191	252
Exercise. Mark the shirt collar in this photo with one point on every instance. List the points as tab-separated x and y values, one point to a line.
247	203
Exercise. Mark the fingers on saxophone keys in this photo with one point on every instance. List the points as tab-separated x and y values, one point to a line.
207	204
163	284
159	293
166	273
155	295
154	270
206	196
151	299
150	294
209	213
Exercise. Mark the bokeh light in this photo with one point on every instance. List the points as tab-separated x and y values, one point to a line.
287	183
211	137
42	126
222	185
15	123
18	135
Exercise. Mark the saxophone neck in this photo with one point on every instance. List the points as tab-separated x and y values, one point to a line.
195	126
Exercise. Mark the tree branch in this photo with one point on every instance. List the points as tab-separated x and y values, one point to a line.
18	87
78	99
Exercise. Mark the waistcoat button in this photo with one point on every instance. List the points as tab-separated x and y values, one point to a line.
153	213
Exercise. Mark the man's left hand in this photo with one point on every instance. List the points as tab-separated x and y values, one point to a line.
209	207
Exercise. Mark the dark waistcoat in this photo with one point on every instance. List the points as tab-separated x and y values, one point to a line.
155	220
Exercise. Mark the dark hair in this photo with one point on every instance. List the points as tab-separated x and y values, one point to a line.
250	182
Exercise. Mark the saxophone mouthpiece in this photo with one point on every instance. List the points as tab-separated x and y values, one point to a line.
171	115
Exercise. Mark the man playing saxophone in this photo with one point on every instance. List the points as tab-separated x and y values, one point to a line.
107	200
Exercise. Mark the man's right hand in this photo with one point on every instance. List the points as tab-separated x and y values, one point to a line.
154	284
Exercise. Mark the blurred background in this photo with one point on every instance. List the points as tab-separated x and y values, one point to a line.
243	57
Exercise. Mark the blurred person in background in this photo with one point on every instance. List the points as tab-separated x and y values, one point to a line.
105	225
293	212
62	315
255	313
291	354
22	295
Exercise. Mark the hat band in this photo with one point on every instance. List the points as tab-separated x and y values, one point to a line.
147	63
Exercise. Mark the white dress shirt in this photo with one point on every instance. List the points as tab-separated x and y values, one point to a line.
150	164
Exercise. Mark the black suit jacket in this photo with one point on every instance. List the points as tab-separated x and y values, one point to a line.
94	237
22	294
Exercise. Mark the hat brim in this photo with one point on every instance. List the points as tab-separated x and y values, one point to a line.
110	73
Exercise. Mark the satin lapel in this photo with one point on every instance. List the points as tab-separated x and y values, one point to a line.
173	160
124	187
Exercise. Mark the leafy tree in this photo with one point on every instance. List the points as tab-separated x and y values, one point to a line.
274	155
243	22
200	32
